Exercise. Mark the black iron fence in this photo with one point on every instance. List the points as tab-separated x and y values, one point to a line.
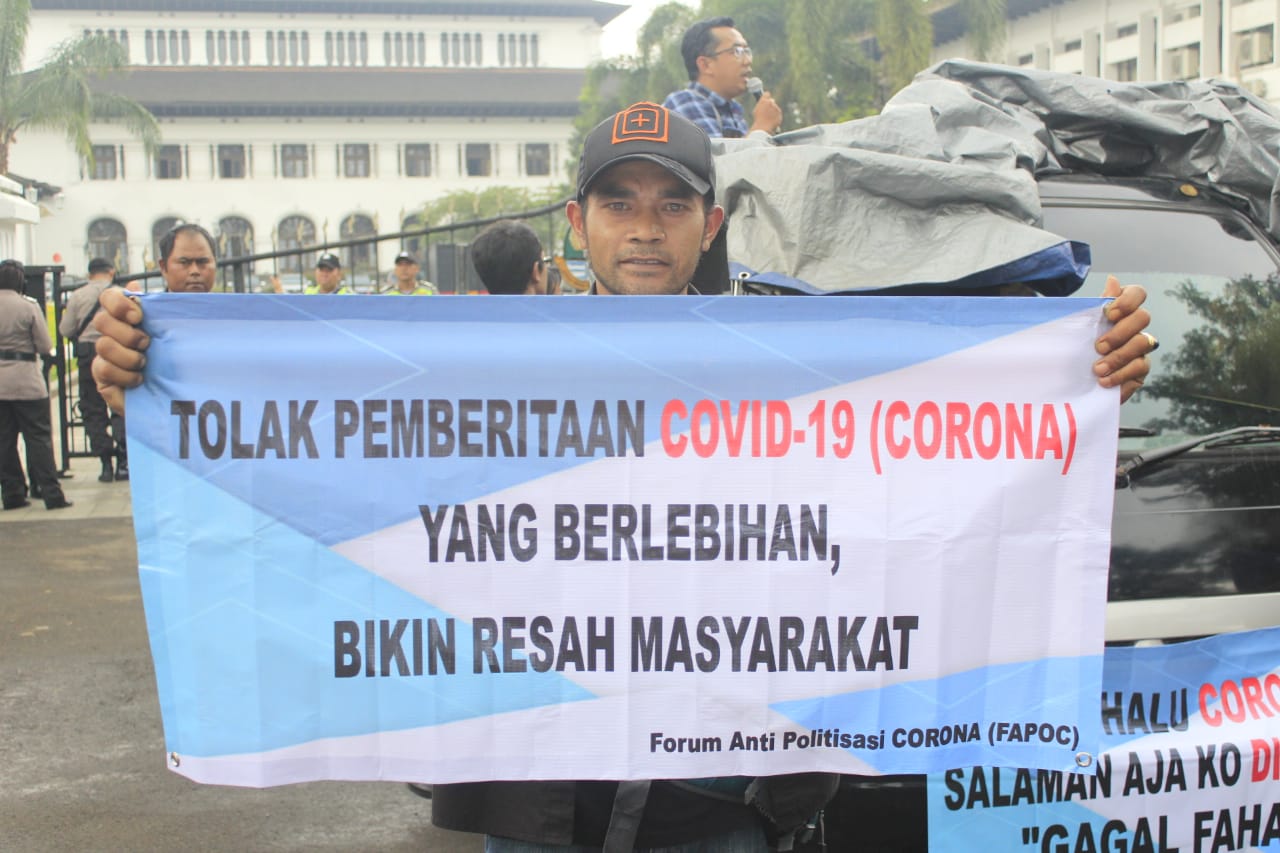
443	252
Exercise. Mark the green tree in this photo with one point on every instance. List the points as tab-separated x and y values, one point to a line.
831	76
904	34
1226	371
986	26
60	94
656	69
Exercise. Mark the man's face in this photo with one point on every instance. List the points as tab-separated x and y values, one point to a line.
643	229
327	278
724	72
406	274
189	267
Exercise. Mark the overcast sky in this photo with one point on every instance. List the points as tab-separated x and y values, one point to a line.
620	34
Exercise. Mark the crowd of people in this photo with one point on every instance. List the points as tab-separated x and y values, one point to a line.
645	211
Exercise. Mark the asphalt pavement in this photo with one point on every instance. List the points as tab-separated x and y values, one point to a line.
82	760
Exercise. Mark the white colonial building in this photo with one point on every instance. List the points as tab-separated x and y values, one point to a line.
1130	40
295	122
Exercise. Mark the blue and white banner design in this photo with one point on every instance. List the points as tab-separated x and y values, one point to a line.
518	538
1191	763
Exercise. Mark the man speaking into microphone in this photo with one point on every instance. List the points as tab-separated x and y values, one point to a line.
719	63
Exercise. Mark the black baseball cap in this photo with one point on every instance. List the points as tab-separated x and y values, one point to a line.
99	265
406	257
647	131
330	260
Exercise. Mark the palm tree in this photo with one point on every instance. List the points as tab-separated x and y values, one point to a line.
905	35
60	94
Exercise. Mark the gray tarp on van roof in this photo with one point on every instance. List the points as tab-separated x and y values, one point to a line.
940	187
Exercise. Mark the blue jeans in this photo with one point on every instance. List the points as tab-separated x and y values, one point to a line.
742	841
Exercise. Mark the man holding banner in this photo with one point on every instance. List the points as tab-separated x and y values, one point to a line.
645	211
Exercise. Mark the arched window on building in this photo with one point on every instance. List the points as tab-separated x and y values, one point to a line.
235	237
362	268
107	239
235	240
293	233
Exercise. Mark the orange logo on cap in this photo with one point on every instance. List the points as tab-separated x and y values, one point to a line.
643	121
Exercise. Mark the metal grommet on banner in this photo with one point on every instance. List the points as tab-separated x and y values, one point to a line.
174	759
1084	759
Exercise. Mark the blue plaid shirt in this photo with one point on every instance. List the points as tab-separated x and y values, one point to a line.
714	114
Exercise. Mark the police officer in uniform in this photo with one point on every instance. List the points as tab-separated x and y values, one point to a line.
328	277
77	327
24	395
406	278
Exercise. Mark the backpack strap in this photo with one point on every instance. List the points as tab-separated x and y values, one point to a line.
624	822
87	320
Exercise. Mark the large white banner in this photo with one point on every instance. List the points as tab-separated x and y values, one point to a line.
464	539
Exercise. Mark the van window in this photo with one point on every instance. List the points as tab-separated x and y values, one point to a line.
1214	298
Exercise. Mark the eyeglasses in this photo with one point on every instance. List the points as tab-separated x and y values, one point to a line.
741	51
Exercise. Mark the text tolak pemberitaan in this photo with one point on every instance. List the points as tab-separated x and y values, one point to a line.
408	429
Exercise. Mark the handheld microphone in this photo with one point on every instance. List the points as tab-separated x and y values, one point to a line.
756	87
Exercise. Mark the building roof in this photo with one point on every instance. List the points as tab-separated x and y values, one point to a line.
325	91
949	21
600	12
43	190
